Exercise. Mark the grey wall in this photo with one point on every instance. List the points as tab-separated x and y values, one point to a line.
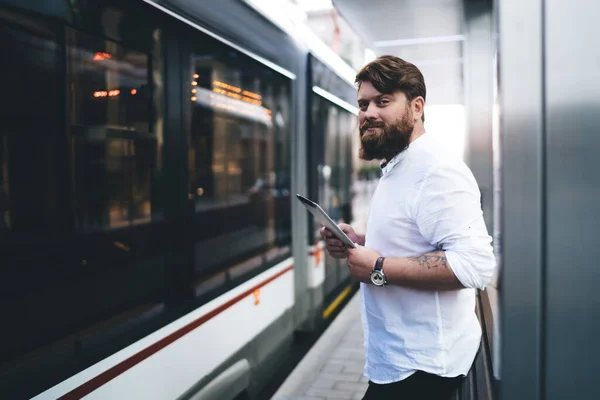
479	99
572	189
521	137
550	100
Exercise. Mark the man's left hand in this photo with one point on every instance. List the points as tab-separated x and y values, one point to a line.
361	261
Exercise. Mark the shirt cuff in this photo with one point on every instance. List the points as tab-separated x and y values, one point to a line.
465	271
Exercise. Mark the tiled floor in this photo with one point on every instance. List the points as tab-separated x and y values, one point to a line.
333	368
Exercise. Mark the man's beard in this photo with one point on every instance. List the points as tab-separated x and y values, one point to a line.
390	141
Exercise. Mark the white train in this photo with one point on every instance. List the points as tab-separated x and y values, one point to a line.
148	153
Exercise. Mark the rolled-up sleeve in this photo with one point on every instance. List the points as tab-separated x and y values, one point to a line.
449	216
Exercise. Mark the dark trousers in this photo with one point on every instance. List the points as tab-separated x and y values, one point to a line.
418	386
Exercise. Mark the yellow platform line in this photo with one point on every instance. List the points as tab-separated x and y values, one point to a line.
336	302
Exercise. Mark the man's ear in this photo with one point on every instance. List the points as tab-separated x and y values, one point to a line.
418	107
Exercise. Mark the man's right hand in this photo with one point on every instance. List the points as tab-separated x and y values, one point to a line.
335	247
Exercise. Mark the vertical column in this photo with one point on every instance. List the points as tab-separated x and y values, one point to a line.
174	180
572	197
522	158
175	166
479	98
478	53
299	185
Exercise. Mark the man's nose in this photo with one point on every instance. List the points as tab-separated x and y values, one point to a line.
371	112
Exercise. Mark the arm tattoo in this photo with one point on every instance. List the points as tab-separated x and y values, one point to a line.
431	260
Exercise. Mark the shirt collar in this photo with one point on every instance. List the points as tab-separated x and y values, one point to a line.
387	166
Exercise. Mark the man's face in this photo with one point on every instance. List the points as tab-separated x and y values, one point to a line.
386	123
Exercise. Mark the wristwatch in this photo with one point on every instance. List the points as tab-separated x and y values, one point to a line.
377	275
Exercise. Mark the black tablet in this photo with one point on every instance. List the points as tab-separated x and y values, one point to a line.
324	219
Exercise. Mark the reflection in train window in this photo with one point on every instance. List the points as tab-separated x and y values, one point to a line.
30	202
238	162
4	206
78	153
114	151
333	129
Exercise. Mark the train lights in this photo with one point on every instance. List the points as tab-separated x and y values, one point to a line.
121	246
222	99
104	93
253	95
237	93
111	93
99	56
227	86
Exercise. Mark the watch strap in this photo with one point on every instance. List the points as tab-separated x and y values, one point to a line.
379	264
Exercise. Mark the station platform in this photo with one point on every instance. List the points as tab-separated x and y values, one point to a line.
333	367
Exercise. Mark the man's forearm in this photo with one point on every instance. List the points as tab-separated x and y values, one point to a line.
429	271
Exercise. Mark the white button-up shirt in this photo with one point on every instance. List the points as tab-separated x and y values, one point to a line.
426	200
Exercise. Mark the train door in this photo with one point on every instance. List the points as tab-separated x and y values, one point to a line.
331	177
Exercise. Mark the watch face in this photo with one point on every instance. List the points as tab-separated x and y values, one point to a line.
377	278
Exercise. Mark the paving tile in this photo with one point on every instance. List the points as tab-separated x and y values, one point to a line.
322	383
358	395
354	368
331	394
342	377
351	386
333	367
351	354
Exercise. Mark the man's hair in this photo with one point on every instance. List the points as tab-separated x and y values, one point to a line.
388	74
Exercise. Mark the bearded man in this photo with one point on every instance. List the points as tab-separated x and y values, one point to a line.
426	249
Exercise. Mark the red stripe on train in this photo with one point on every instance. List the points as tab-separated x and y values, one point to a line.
112	373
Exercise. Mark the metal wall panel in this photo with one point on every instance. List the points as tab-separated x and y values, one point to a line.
478	100
521	136
572	61
479	50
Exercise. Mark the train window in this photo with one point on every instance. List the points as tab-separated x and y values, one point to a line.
348	131
108	83
29	195
33	201
80	145
109	115
238	161
332	149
